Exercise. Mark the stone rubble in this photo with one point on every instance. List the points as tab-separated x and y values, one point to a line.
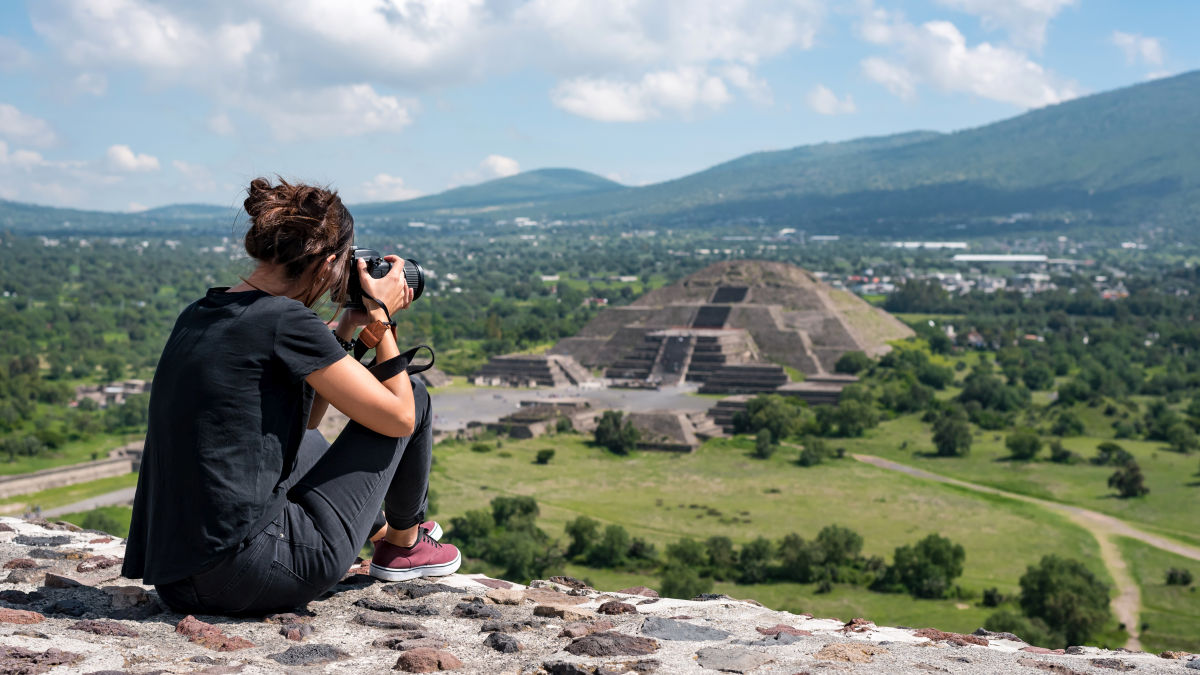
68	612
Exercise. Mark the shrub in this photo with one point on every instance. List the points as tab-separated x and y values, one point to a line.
101	521
564	426
480	447
686	553
683	582
839	545
1111	454
1024	444
1066	597
1067	424
514	512
619	438
611	549
763	447
1128	481
813	452
928	568
1038	377
1060	455
1033	631
993	598
852	363
1178	576
722	560
544	456
952	435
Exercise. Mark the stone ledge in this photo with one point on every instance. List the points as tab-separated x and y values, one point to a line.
107	623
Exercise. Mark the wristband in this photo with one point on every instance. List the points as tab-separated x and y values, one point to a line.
373	332
346	344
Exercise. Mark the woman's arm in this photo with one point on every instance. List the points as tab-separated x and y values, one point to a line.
386	407
345	330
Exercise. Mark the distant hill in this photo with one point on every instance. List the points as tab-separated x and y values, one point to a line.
537	186
1122	157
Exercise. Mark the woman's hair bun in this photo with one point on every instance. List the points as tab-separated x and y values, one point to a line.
295	224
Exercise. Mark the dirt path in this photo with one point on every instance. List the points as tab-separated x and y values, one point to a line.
1127	604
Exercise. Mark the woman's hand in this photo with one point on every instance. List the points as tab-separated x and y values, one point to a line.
392	289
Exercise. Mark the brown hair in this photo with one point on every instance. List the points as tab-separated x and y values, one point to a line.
296	226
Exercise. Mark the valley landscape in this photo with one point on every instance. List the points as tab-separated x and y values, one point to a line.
1038	401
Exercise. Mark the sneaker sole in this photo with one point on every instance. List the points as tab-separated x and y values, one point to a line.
393	574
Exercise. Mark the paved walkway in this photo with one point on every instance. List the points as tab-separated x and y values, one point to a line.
1128	602
122	496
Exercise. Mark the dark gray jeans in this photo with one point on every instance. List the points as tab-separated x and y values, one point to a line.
328	516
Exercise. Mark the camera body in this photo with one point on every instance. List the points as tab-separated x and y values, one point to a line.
378	268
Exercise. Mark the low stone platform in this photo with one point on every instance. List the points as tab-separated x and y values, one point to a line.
64	609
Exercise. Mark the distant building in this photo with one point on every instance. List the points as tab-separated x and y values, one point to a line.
1001	258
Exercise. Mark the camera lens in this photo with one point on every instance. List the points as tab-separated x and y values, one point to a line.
414	275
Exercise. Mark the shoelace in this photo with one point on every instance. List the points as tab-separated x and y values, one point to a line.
424	535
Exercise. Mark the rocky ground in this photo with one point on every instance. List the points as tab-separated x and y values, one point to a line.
65	609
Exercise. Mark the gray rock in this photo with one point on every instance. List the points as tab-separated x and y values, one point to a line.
777	640
731	660
309	655
67	606
670	629
502	642
475	610
1194	664
510	626
411	639
416	591
382	620
611	644
567	668
33	540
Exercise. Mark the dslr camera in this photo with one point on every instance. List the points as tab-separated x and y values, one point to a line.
378	268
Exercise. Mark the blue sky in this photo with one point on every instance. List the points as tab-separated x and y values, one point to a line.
128	104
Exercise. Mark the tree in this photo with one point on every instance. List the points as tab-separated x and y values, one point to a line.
754	559
1128	481
1179	576
799	559
1033	631
1111	454
1060	455
763	447
928	568
780	415
852	363
514	512
1181	438
1067	424
611	550
1066	597
617	435
952	435
1038	377
722	560
1023	444
686	553
839	545
582	532
544	456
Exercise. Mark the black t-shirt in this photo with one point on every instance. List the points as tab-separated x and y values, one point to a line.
228	408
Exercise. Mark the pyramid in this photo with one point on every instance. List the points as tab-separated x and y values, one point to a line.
766	312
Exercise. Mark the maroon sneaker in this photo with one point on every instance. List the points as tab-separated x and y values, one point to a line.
426	558
432	527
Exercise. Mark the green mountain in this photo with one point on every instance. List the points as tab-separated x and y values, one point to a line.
1121	157
539	186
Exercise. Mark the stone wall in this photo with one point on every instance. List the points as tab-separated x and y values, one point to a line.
66	475
64	609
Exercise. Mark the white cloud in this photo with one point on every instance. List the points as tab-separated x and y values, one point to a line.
220	124
248	56
136	207
1024	20
91	83
678	91
388	188
824	101
122	158
12	55
1138	48
897	79
198	178
500	166
936	53
349	110
26	129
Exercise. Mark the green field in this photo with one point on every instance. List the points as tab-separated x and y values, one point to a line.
1169	509
721	490
72	452
1170	614
119	514
68	494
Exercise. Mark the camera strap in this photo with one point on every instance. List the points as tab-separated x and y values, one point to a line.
396	364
